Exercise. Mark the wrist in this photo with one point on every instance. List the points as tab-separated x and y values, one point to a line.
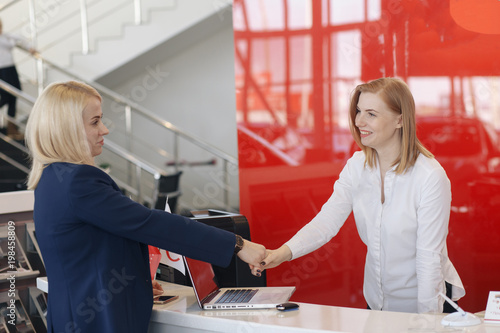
239	244
286	253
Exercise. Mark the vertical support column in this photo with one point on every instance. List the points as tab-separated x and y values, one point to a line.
317	79
137	12
225	185
85	27
34	42
128	131
176	152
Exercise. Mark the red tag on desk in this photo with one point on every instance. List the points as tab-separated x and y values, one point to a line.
154	260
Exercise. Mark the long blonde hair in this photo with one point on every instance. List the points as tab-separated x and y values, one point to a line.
396	94
55	130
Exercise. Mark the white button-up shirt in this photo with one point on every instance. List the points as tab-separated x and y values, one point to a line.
7	43
407	261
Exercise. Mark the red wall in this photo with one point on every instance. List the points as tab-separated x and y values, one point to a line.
296	65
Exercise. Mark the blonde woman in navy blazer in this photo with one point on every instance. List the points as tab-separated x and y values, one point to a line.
93	239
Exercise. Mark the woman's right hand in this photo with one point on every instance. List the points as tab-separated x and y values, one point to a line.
253	254
274	258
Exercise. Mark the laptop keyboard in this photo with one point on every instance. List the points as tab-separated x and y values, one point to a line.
237	296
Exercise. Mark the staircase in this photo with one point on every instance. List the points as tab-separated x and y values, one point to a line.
114	33
14	164
117	50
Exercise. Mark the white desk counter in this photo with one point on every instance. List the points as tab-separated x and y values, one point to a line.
184	315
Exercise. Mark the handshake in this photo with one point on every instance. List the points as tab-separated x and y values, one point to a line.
259	258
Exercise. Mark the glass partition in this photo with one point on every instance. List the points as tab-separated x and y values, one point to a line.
296	64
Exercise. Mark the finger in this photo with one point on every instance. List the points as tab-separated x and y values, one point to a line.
267	260
256	271
157	285
157	292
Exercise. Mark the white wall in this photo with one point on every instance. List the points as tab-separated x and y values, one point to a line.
193	88
197	92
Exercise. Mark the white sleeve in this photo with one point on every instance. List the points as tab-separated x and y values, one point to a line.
433	217
327	223
22	42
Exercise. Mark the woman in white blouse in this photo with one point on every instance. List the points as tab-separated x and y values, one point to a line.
400	196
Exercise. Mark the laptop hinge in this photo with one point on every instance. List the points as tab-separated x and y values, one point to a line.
210	297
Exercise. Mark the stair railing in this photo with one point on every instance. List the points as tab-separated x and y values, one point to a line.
139	164
131	107
83	20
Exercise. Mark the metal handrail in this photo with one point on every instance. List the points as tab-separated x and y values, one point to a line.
10	160
122	152
19	93
146	113
120	99
110	145
8	4
131	107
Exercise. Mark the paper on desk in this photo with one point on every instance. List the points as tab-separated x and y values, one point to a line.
492	313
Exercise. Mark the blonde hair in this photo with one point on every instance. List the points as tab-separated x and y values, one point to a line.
397	96
55	130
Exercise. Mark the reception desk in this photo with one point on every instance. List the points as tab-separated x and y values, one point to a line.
184	315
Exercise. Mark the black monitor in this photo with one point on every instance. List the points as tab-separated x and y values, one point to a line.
237	274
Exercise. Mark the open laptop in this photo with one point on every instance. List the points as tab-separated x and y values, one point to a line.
211	297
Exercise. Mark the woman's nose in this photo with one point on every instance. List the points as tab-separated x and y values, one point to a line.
104	130
358	121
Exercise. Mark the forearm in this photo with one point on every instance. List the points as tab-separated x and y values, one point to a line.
430	282
315	234
433	217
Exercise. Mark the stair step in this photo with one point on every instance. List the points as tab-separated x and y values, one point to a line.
14	153
12	185
11	173
11	178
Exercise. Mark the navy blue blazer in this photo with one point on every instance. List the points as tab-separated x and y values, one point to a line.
93	243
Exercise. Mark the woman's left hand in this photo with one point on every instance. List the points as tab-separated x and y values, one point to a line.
157	289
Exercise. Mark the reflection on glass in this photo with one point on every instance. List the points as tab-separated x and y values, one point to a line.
296	64
346	49
342	12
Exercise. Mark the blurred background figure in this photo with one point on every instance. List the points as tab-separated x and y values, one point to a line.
8	73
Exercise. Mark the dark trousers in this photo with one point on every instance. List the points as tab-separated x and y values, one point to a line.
447	308
9	75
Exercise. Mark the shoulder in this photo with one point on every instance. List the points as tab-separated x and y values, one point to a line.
429	170
356	162
428	165
358	158
69	172
354	167
75	181
70	168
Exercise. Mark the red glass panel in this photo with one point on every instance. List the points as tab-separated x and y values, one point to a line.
296	63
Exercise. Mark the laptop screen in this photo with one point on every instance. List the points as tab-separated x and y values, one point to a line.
202	276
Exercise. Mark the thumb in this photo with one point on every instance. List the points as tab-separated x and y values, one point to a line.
268	258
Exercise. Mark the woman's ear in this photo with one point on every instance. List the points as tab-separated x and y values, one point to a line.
400	121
